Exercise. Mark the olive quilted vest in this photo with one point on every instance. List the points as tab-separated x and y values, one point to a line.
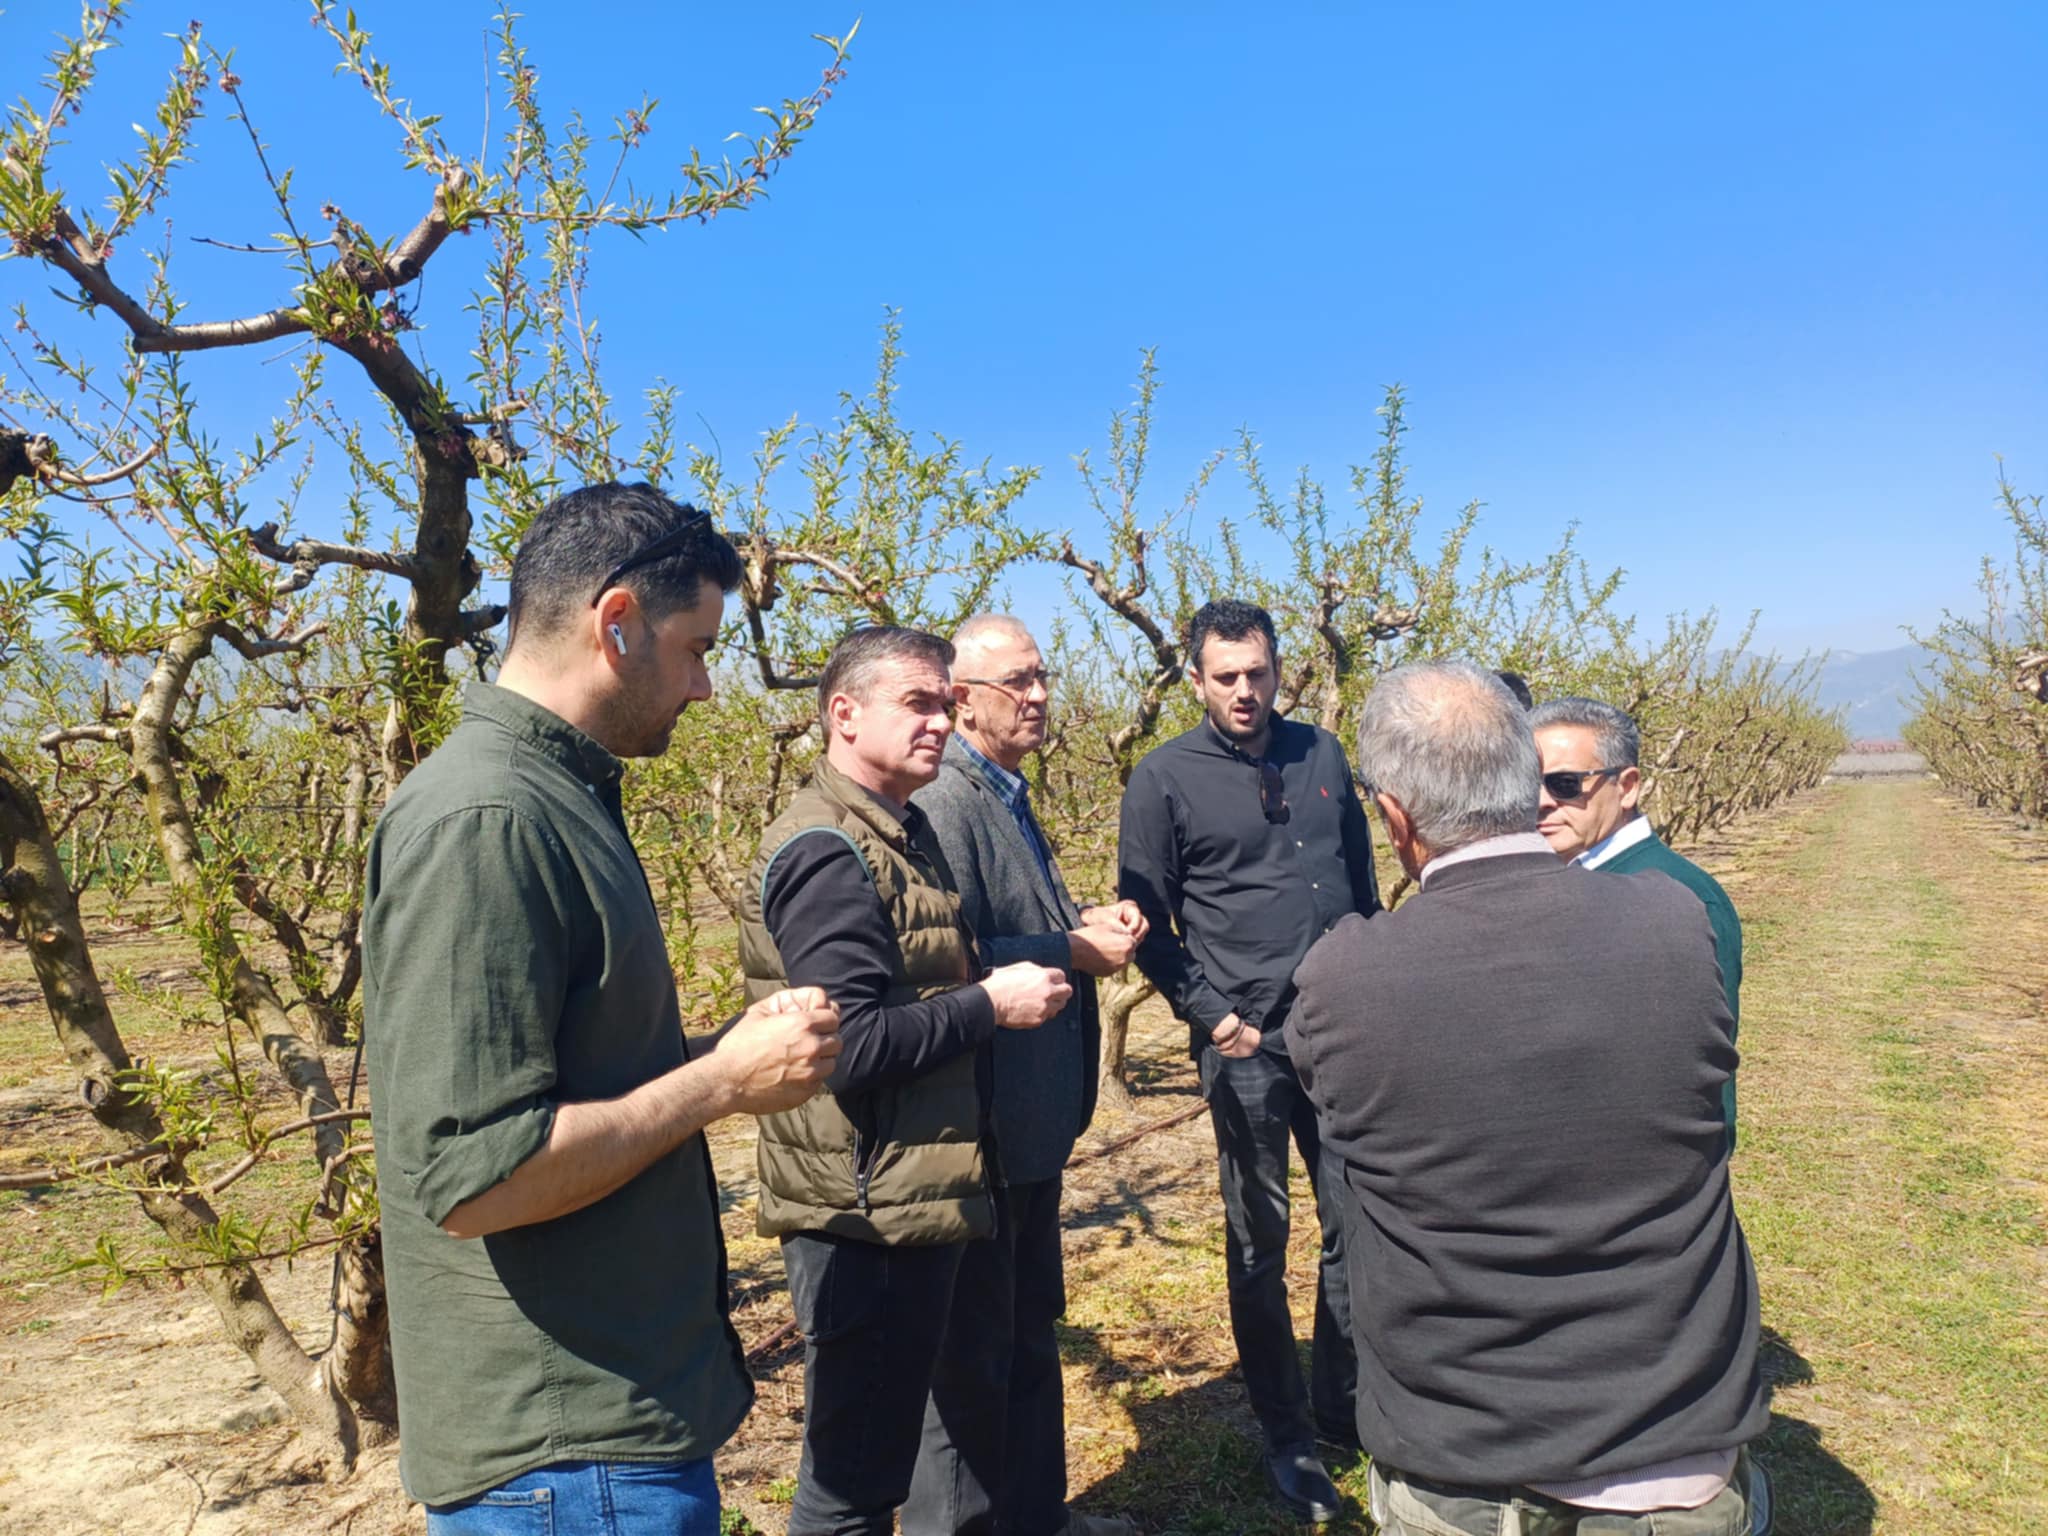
901	1164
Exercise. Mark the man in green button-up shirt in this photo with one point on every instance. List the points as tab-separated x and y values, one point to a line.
1592	786
552	1250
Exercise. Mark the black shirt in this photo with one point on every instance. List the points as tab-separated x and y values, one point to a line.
1234	899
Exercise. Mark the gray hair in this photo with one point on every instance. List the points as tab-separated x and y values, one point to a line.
986	629
1447	740
857	659
1615	736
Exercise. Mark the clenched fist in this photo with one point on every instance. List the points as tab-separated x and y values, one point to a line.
781	1050
1026	995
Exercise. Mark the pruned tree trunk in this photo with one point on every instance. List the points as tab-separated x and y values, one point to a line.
364	1355
360	1362
1117	999
245	989
37	892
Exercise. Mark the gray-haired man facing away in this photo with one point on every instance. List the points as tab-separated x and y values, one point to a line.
1555	1311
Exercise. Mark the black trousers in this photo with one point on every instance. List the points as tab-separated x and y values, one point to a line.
994	1458
872	1316
1256	1104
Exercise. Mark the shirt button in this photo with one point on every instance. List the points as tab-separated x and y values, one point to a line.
1297	842
1314	885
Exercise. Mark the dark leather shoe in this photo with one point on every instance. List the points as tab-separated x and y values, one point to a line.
1304	1487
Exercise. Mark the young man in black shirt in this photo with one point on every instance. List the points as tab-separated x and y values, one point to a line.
1243	842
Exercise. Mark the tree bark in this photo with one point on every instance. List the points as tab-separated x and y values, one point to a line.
14	457
246	990
36	890
362	1351
360	1362
1117	1000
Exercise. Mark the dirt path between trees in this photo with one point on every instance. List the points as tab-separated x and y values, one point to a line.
1892	1178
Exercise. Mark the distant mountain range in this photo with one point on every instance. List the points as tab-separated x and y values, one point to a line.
1874	689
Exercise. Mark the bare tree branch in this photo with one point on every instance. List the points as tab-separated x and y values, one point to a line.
306	556
255	648
57	736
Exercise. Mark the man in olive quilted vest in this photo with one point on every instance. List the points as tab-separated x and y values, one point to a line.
876	1186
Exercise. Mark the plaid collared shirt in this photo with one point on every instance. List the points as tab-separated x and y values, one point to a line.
1014	792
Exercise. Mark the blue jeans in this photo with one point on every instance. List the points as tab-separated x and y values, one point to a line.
603	1498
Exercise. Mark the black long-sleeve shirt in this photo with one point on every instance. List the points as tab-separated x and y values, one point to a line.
1235	900
831	931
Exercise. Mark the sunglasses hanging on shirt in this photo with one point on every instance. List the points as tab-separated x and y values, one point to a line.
1272	793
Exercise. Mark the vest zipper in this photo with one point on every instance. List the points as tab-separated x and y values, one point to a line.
860	1172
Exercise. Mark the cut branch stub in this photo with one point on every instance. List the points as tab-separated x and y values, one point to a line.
2030	677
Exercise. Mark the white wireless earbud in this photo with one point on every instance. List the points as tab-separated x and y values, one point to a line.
618	640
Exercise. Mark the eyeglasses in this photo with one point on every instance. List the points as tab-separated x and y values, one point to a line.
1567	784
1272	793
660	549
1018	683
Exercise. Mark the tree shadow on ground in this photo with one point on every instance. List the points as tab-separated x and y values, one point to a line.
1196	1468
1816	1493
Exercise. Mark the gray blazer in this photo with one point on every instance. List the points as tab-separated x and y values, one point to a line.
1045	1077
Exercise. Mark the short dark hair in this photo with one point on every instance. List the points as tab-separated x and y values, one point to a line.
1228	619
1516	684
1615	734
854	661
582	536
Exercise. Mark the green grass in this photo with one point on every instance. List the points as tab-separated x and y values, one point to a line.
1899	1259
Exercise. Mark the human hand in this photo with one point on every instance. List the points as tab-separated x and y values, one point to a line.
1026	995
1122	915
1099	951
781	1050
1234	1038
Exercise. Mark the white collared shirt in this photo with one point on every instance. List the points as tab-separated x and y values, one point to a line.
1627	835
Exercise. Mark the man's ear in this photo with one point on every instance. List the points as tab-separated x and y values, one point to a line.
617	610
964	714
1630	782
1399	828
842	716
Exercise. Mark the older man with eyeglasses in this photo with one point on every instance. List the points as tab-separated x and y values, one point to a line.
1592	815
994	1451
1243	842
880	1185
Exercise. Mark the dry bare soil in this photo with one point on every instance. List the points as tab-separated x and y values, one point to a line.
1891	1177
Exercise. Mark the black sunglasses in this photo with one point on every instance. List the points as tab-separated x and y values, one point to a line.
1566	784
660	549
1272	793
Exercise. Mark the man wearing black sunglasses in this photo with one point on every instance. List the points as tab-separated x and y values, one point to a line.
1592	815
1243	842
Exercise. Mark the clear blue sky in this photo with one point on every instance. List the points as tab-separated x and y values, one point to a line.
1755	294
